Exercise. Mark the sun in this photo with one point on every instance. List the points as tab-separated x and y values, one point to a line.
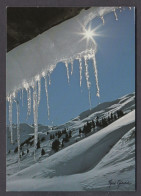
88	34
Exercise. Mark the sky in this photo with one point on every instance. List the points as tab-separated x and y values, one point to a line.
116	72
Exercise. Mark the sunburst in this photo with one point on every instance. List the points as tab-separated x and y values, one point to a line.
89	34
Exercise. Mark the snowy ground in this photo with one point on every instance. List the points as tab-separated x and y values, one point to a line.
103	161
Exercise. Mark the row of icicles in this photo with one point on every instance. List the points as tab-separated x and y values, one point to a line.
37	96
115	14
36	86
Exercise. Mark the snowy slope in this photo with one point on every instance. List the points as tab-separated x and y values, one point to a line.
117	166
126	103
25	132
85	165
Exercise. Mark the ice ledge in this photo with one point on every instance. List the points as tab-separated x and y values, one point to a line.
41	54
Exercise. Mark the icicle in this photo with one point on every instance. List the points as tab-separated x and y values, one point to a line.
14	94
49	79
80	70
115	14
67	68
120	9
87	72
102	18
18	131
35	115
39	90
71	67
130	8
10	118
87	78
28	101
46	89
96	74
22	96
38	80
90	99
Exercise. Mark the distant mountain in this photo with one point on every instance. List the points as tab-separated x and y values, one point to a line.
125	102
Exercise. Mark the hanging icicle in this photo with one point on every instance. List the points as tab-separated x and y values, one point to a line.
67	68
10	118
35	115
49	79
90	99
29	101
80	70
18	131
22	96
46	89
96	74
120	9
115	14
38	80
71	67
39	90
87	79
102	18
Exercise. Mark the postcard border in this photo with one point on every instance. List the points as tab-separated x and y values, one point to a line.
3	42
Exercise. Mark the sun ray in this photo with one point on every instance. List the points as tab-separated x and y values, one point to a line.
89	33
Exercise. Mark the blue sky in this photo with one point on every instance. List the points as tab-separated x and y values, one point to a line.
116	70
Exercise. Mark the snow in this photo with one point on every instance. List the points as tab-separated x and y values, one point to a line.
117	165
76	123
38	58
86	165
125	103
41	54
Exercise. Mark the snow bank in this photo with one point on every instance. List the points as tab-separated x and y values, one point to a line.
77	159
116	167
